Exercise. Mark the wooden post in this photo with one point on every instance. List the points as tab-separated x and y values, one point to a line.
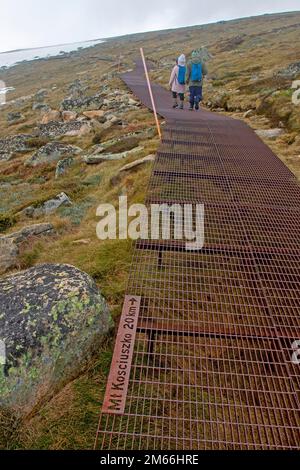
150	92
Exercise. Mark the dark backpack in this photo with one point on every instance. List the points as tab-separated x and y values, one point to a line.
181	74
196	74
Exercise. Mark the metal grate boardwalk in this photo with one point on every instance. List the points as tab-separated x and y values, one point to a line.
211	365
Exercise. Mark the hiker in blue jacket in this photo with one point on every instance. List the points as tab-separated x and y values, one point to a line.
196	71
177	81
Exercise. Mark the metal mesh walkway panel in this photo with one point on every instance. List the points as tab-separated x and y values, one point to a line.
211	365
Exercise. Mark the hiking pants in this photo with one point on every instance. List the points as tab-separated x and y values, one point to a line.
181	95
195	95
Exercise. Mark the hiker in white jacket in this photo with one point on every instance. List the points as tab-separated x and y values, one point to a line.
177	81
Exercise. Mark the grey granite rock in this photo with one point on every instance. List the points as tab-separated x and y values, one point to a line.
53	319
47	207
52	151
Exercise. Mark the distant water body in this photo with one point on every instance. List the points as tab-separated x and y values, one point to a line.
8	59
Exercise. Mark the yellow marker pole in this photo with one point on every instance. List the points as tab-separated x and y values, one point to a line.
150	92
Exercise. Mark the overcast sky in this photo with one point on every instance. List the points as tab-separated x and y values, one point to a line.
34	23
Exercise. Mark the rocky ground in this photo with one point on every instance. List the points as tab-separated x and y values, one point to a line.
73	137
64	149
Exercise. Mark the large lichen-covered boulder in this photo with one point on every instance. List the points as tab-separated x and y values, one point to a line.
52	320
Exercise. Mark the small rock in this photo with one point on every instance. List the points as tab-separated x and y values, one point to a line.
51	152
15	144
28	211
56	129
5	157
83	130
40	107
248	113
107	125
62	165
69	116
95	114
9	244
269	133
82	103
41	94
50	116
32	230
219	101
77	89
141	161
115	120
130	137
8	254
50	206
291	71
15	118
47	207
86	241
97	126
94	159
132	102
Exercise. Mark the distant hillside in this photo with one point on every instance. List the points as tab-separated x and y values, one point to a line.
255	61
